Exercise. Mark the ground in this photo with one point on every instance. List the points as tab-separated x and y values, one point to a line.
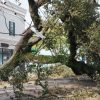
70	88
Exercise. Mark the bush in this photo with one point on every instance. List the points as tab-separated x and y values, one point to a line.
60	71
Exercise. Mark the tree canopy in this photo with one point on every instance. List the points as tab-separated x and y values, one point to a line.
71	28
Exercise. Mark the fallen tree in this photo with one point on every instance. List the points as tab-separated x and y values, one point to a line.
21	48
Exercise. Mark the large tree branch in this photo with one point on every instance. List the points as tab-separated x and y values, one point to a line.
33	8
41	2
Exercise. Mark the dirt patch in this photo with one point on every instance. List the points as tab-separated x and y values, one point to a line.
70	88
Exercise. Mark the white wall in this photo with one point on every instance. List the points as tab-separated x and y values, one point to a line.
8	12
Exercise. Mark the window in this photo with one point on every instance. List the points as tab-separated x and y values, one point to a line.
4	45
5	54
11	28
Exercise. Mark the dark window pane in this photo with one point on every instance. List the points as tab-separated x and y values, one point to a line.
4	45
11	28
5	54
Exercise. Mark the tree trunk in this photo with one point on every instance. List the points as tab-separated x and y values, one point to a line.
78	67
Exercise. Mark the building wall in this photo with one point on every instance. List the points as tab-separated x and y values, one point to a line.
10	12
7	13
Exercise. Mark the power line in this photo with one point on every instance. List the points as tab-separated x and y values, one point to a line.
3	33
21	45
12	35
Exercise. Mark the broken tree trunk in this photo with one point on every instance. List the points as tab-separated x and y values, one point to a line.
23	46
20	49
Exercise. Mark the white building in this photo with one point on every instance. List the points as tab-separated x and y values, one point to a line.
12	24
